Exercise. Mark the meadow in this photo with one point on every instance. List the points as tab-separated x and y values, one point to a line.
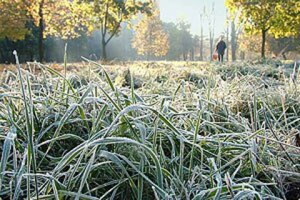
149	130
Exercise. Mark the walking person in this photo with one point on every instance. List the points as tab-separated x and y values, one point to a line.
220	49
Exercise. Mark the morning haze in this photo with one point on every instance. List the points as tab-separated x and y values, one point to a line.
190	10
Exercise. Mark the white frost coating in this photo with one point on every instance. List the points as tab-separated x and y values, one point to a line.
11	136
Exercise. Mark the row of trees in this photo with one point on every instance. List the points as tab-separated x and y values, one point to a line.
277	18
155	39
67	19
180	44
278	22
46	33
36	24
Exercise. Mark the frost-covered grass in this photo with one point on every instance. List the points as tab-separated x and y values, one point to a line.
164	130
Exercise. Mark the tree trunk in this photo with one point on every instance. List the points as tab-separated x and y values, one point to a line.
227	42
233	41
1	57
104	54
192	54
211	43
31	54
211	24
3	49
201	46
242	55
184	56
7	57
201	39
263	45
41	32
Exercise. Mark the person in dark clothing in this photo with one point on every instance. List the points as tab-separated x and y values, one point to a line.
220	48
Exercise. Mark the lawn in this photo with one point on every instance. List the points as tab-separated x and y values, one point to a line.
149	130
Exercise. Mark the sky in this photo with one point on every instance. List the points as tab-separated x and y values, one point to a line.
189	10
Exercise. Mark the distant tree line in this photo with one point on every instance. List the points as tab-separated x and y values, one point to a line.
67	19
182	45
133	30
273	18
148	38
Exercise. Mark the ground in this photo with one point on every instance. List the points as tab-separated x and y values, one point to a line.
145	130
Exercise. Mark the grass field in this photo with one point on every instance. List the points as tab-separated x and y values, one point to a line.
161	130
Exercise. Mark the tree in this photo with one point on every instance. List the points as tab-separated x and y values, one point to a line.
181	41
150	38
233	40
108	15
201	34
236	30
13	27
251	45
287	18
13	18
278	17
196	46
185	38
64	19
211	24
174	52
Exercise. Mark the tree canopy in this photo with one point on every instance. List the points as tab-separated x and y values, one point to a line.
150	38
108	16
13	18
64	19
181	42
277	17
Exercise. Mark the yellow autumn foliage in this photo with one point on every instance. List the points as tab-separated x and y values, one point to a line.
150	39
